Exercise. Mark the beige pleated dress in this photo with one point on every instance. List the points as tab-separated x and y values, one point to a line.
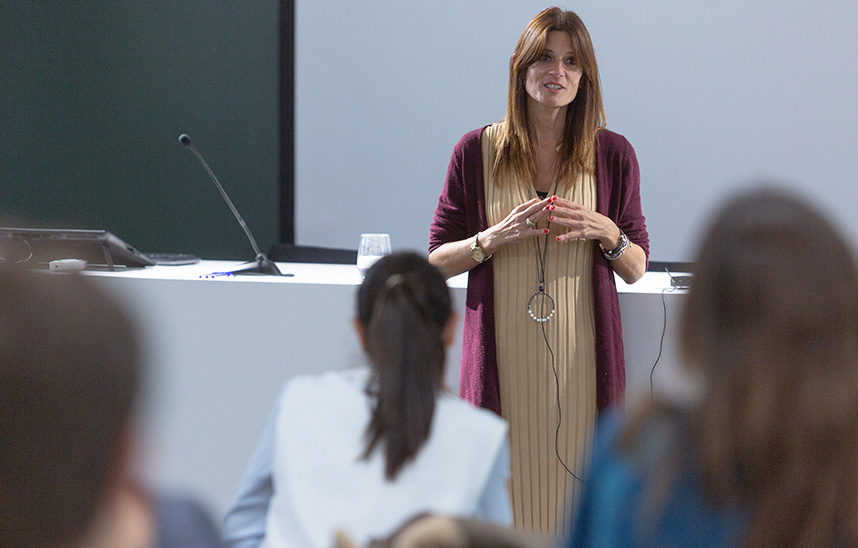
543	364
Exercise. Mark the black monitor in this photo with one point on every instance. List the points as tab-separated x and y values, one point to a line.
37	247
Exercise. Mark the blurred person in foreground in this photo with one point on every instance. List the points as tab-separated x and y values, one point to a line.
763	452
363	449
70	376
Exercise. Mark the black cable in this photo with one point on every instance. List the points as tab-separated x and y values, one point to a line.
559	410
660	344
542	259
663	332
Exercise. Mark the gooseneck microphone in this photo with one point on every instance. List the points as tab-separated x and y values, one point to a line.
262	264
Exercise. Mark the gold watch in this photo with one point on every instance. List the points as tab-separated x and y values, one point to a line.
477	252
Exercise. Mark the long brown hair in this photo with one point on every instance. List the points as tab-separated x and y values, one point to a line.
771	326
584	116
404	306
70	371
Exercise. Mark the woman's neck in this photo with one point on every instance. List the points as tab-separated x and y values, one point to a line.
546	126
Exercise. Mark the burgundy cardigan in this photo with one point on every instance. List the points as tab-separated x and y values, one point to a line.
461	213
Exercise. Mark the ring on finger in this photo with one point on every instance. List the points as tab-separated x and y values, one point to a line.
530	224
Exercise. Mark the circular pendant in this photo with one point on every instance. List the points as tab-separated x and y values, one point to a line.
542	299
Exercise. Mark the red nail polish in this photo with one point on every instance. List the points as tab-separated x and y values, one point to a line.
547	207
553	207
546	231
551	217
558	238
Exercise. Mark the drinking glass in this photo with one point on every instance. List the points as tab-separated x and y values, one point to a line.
372	248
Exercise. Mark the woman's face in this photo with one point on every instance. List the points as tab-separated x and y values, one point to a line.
552	80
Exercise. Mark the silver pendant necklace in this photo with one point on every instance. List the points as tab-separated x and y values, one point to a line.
541	305
540	302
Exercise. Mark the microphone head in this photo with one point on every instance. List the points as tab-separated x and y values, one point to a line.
185	140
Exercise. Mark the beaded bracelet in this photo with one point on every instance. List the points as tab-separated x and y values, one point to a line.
617	252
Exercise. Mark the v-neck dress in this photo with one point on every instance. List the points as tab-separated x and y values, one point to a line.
546	370
460	213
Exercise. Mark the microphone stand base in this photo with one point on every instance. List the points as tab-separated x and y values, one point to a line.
262	266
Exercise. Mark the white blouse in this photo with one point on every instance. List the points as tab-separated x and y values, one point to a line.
321	485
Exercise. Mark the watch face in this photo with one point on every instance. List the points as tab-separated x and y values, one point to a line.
478	254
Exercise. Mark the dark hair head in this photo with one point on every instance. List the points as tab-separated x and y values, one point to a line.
584	116
774	286
69	375
771	324
404	306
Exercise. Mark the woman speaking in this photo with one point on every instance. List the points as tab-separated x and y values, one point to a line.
543	208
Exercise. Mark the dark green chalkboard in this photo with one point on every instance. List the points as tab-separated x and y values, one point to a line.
93	97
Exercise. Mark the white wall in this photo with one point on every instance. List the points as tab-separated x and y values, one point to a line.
711	94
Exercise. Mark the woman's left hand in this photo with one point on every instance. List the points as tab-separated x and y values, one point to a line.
583	223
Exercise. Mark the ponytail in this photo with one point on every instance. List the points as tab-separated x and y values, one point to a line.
404	332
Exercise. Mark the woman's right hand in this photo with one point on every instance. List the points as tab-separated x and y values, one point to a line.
454	258
516	226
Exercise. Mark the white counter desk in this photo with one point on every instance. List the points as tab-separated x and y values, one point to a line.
220	349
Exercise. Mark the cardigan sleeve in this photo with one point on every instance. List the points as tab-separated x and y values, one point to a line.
458	214
618	197
624	204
